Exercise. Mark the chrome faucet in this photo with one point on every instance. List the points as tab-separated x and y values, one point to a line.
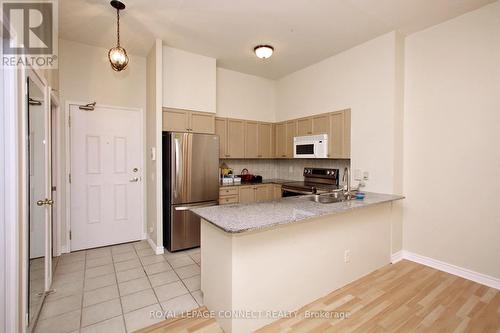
346	179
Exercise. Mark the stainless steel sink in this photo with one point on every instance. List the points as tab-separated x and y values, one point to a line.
328	197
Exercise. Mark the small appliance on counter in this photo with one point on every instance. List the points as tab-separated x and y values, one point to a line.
247	177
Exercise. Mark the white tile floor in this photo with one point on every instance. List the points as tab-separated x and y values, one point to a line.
113	289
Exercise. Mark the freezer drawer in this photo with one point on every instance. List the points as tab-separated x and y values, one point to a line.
184	227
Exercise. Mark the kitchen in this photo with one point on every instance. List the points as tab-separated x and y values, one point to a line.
219	166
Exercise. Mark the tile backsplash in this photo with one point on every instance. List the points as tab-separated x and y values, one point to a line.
284	169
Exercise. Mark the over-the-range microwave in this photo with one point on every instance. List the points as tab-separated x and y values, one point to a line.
310	146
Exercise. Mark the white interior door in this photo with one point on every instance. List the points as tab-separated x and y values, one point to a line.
106	176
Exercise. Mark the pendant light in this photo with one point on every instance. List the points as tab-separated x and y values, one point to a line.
117	55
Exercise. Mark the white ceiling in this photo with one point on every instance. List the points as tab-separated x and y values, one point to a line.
303	32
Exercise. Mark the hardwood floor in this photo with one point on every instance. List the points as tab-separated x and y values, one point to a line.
404	297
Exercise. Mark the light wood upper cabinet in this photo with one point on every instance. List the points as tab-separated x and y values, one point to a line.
339	138
291	132
280	140
221	131
201	122
304	126
320	124
176	120
251	139
264	140
235	147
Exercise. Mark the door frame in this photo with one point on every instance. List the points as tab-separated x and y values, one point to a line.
57	167
67	171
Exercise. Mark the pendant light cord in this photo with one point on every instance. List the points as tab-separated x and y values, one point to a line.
118	26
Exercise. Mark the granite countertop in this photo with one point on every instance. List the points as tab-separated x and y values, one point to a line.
239	218
264	181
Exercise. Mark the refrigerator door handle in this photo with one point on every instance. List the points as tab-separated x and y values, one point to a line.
188	207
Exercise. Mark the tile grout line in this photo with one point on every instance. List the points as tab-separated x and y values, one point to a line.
118	287
149	281
83	291
185	286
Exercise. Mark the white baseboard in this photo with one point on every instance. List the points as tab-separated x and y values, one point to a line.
157	249
465	273
395	257
64	249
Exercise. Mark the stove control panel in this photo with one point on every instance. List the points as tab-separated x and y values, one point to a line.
321	173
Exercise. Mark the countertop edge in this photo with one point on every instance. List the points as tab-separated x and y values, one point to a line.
394	197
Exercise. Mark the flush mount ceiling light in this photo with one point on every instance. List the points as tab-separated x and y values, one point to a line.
117	55
263	51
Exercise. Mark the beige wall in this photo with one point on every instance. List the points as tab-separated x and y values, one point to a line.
245	96
452	159
86	76
363	79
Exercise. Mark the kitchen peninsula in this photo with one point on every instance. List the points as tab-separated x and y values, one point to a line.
281	255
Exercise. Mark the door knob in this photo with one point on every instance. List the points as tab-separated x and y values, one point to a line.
134	180
45	202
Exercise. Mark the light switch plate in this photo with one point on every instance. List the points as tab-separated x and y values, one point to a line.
366	175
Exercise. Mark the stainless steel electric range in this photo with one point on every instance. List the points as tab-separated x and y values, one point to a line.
316	181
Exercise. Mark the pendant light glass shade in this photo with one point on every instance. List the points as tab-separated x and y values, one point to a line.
117	55
118	58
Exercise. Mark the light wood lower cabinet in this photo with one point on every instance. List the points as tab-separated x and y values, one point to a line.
263	193
176	120
277	193
249	193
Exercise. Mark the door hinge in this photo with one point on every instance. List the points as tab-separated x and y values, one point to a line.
69	121
69	178
70	235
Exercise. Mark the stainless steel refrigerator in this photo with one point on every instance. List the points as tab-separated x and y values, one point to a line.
190	179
